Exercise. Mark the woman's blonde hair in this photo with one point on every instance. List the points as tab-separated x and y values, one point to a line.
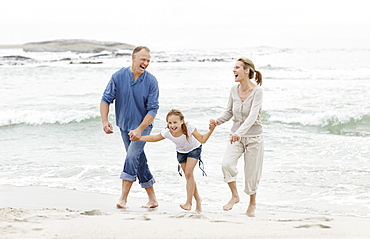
249	64
183	126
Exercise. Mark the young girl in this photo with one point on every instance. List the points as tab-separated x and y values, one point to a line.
188	143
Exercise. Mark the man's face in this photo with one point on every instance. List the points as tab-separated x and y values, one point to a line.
140	61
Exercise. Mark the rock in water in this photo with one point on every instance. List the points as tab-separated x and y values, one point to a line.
76	45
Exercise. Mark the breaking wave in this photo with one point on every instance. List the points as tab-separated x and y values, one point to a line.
335	122
37	117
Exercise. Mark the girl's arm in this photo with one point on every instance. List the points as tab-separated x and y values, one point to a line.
202	138
151	138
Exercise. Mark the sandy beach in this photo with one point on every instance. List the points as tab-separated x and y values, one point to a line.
42	212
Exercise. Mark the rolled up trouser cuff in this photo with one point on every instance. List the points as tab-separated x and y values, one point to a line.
229	180
148	184
127	177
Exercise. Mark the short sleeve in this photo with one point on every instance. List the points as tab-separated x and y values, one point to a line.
191	127
165	132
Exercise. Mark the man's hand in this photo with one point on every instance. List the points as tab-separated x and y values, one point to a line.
107	127
135	135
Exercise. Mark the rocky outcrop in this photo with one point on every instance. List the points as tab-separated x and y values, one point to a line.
76	45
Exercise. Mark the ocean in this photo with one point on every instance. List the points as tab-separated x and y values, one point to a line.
316	117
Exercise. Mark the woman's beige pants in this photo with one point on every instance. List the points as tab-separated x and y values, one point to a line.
252	148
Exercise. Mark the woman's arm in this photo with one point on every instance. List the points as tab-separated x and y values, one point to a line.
253	114
151	138
228	113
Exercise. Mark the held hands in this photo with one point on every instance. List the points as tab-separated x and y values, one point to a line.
135	135
212	124
107	127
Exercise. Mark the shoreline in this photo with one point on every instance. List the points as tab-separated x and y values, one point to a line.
42	212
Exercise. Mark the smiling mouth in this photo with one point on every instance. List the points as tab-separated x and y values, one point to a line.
142	67
236	76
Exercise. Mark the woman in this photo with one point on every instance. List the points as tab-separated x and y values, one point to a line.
244	106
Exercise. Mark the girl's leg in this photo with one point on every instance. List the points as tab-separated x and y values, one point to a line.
198	200
188	168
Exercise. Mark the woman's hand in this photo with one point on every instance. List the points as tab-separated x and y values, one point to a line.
234	138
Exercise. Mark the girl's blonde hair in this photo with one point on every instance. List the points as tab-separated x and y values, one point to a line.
249	64
181	116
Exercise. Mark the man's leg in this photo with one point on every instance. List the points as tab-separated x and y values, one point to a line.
126	186
136	166
128	175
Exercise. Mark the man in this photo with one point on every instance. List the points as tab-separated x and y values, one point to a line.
135	92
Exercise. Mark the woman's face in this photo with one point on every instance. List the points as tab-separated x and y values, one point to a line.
239	72
174	123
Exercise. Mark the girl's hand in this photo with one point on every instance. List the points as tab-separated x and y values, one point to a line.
212	124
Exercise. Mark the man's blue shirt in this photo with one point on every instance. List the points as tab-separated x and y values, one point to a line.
133	99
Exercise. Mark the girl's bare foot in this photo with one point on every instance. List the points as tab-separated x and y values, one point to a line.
198	205
186	206
150	204
251	209
231	203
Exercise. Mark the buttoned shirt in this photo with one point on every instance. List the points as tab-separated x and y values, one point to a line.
134	99
246	114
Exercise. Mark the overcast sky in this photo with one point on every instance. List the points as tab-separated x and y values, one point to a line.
190	23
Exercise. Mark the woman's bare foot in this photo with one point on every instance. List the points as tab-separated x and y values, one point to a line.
251	209
186	206
231	203
150	204
198	207
121	204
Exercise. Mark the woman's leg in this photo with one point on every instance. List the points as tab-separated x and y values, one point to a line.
253	160
229	170
252	205
188	168
234	196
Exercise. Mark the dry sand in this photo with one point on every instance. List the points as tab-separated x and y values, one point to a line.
42	212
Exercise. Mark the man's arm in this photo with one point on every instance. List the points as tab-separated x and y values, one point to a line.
104	111
136	133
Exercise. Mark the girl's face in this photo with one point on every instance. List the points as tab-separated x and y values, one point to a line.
239	72
174	123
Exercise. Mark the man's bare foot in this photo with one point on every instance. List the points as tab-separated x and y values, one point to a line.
198	207
150	204
231	203
251	209
121	204
186	206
